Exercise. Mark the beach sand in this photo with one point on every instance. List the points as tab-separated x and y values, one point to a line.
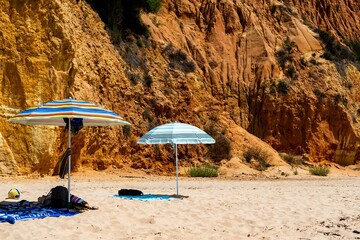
311	208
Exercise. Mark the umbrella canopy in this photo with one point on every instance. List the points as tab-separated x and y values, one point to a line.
53	114
176	133
61	112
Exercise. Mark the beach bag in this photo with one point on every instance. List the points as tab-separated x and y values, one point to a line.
129	192
76	124
59	197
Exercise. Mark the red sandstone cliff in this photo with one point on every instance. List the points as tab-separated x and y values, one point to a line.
214	64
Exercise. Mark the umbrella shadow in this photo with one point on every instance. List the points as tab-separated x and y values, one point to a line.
170	195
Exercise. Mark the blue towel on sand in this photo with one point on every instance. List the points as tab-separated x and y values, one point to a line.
148	197
24	210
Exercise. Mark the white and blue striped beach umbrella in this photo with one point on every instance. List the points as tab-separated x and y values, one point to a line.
61	112
176	133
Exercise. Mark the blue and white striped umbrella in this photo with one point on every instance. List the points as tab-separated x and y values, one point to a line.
176	133
55	113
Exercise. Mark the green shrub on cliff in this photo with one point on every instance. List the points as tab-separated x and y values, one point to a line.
204	171
151	6
283	87
334	50
260	156
355	47
319	170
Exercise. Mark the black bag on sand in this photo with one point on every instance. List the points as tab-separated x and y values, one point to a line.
130	192
59	197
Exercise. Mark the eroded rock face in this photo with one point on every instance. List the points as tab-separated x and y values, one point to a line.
304	105
244	40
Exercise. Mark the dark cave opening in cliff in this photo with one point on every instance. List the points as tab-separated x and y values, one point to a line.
122	17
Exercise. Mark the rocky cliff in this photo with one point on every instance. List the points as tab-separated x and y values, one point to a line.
281	75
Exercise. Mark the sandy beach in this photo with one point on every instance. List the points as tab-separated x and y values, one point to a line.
312	208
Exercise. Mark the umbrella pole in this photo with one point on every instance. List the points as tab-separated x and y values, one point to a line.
69	160
177	170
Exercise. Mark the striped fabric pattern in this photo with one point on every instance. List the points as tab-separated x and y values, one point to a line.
53	113
176	133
